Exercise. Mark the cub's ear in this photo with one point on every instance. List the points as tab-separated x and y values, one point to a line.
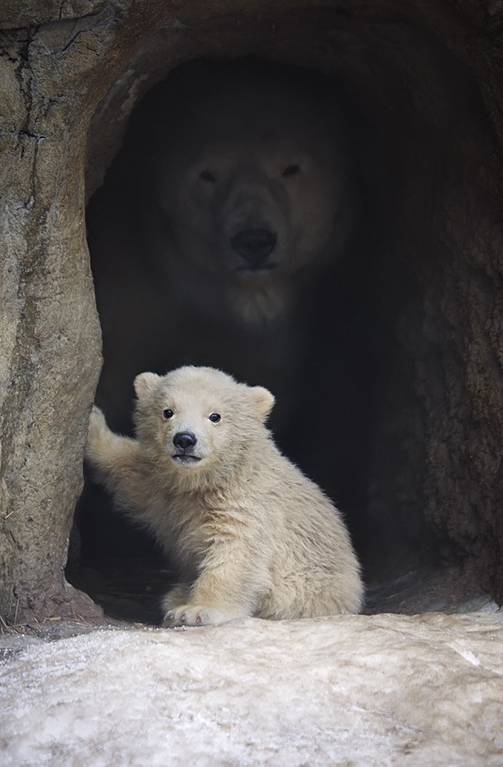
263	401
145	383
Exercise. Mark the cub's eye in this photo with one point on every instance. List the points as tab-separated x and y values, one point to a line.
215	417
291	170
168	413
207	176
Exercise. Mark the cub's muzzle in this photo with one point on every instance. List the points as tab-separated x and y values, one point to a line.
184	442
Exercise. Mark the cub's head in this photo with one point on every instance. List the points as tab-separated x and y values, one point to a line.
198	422
251	180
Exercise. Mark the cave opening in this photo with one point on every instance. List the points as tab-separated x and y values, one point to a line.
378	400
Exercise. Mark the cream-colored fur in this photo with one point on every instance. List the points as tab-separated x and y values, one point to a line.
250	534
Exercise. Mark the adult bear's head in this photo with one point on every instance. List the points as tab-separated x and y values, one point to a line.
249	179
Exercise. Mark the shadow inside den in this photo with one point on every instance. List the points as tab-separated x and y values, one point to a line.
256	221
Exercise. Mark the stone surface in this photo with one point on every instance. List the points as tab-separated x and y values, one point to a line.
49	330
381	690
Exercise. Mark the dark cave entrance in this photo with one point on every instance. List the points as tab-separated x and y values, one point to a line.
387	339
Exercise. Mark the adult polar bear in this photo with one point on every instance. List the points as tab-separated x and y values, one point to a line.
233	192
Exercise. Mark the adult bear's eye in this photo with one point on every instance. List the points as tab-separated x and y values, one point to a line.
207	176
168	413
291	170
215	417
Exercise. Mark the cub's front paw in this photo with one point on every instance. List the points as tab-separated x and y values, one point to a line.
177	596
198	615
96	430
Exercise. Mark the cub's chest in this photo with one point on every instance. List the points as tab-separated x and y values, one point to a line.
186	523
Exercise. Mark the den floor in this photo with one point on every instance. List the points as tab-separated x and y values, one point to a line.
416	681
366	690
131	590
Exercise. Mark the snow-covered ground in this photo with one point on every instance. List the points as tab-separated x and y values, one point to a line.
359	690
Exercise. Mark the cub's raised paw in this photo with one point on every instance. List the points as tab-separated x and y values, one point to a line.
97	421
197	615
96	430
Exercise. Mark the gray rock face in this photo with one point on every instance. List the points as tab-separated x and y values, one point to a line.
50	337
70	75
381	690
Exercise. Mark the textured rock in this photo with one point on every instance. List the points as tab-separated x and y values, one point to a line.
50	339
382	690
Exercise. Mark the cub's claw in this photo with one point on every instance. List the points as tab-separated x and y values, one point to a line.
193	615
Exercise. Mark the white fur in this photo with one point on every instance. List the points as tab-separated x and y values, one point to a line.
250	534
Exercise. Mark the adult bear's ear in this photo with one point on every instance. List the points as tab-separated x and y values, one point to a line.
145	383
263	401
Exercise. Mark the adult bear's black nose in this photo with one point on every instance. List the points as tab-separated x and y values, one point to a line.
254	246
184	439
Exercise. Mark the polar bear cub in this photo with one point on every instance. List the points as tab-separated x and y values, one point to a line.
249	534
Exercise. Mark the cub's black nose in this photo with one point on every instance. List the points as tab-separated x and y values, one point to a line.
184	439
254	246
